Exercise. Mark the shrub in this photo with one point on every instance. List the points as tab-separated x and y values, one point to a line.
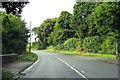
92	44
71	44
35	45
59	47
108	46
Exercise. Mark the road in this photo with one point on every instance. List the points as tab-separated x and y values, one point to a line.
53	65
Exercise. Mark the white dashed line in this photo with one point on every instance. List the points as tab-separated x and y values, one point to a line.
82	71
61	61
70	67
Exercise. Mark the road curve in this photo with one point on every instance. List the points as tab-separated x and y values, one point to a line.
53	65
49	66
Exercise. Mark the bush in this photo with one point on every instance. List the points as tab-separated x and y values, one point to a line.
92	44
35	45
103	45
71	44
59	47
108	46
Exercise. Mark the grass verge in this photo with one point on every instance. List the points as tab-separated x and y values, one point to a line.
51	49
28	57
6	75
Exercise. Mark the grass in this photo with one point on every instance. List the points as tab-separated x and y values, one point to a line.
6	75
51	49
28	57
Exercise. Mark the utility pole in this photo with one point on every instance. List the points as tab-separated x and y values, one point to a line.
30	39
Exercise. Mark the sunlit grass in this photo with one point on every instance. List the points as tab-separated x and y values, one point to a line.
28	57
98	55
51	49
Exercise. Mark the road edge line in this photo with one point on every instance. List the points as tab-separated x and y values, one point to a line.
31	65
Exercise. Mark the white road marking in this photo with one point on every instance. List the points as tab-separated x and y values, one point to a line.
70	66
61	61
31	66
82	71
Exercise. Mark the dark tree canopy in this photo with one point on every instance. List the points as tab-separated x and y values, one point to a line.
93	27
14	7
14	32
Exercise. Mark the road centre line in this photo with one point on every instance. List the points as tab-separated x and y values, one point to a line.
70	67
61	61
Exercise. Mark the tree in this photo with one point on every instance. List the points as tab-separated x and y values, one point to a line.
62	30
79	21
43	32
14	33
14	7
35	30
107	20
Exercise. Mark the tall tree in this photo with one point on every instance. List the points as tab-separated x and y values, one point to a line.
62	30
106	18
14	33
107	21
14	7
43	32
79	20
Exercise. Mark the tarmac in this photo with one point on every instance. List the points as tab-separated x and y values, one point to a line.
17	67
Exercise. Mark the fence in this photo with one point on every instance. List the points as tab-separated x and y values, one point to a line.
8	58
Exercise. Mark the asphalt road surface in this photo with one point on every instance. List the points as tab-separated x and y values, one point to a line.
53	65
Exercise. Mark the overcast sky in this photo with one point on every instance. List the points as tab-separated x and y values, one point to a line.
39	10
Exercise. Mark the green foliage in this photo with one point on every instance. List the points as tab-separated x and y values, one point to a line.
62	30
59	47
28	57
97	44
71	44
35	46
92	44
108	46
105	18
57	36
43	32
14	33
79	20
14	7
35	30
93	27
6	75
52	49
